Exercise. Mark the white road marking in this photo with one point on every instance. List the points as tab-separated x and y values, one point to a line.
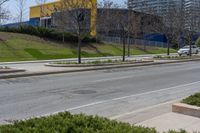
111	79
143	109
125	97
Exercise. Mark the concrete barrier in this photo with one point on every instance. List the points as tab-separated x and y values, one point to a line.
186	109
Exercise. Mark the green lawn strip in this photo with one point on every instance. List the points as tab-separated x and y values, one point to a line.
99	62
20	47
67	123
193	100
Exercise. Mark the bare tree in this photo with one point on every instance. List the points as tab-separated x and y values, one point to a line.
4	13
171	25
104	19
3	1
192	25
134	27
107	4
21	10
113	19
74	16
120	19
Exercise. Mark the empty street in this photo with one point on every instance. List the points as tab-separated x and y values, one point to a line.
111	93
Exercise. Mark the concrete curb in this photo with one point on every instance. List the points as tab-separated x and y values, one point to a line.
186	109
27	74
95	65
5	71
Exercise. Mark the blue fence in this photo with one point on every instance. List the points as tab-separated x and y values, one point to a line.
132	41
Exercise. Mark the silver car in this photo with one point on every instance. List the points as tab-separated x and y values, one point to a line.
186	50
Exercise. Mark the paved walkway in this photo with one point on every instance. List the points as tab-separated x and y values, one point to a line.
173	121
162	118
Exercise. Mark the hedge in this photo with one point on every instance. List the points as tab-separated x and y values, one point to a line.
47	33
67	123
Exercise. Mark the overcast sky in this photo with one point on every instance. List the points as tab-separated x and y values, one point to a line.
12	7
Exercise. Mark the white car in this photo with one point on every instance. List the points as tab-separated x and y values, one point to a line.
186	50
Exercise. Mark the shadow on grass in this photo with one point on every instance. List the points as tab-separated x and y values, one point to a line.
40	56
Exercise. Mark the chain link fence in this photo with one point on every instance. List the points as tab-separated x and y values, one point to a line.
132	41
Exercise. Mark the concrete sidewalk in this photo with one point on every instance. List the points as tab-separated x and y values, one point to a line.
173	121
161	118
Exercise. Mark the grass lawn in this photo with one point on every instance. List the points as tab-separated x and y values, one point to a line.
193	100
67	123
20	47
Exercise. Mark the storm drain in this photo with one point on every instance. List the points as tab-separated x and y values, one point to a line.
84	92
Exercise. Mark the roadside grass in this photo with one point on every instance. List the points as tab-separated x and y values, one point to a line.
67	123
193	100
100	62
21	47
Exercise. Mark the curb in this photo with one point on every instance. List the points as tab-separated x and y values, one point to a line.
11	71
26	74
186	109
96	65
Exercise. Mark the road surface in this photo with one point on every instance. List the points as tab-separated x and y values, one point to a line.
110	93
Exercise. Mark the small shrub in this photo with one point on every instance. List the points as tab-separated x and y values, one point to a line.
193	100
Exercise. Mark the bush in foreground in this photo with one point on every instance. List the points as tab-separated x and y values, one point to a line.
193	100
67	123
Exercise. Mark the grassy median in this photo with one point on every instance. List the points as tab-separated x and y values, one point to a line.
19	47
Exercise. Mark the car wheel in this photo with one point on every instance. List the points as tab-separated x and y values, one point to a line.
197	52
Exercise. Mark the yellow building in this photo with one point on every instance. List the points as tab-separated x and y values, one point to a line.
45	10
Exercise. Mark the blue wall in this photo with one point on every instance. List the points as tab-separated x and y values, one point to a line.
155	37
31	22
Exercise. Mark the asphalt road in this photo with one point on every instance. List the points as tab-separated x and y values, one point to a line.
110	93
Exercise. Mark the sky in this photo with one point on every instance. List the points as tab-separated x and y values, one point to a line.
12	7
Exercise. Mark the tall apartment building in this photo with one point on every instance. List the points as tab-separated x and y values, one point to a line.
158	7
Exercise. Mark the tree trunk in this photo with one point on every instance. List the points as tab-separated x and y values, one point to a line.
79	50
168	48
190	52
124	49
63	37
129	47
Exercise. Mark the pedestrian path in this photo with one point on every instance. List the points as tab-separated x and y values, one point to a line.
173	121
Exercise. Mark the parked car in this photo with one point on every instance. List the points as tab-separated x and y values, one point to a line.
186	50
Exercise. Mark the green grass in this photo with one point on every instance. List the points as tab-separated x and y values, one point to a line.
67	123
193	100
99	62
20	47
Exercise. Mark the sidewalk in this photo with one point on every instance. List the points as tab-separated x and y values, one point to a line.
161	118
173	121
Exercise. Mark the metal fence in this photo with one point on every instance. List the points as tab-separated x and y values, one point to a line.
133	41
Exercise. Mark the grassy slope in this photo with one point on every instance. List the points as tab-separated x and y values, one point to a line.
16	47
